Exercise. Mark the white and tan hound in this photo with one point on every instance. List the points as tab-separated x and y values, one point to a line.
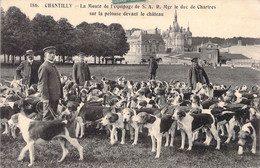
35	132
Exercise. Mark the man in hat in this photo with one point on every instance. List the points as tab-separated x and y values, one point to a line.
49	84
28	69
81	72
196	74
152	66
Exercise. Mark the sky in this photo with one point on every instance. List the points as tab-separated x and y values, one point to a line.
221	18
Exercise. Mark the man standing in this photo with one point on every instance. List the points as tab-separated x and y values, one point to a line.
152	68
28	69
49	84
196	74
81	72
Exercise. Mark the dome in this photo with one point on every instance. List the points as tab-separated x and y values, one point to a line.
188	32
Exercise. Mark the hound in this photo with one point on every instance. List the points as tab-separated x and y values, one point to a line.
116	120
249	130
190	123
35	132
157	128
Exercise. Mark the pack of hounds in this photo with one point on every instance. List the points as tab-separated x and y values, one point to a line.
130	106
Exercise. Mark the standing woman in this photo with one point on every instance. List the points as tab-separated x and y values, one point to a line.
81	72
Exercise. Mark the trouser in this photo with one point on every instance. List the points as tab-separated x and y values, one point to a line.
152	76
47	114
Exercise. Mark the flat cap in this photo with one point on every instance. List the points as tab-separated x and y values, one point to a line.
49	48
195	59
29	52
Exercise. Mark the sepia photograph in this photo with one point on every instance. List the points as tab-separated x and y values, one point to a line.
130	83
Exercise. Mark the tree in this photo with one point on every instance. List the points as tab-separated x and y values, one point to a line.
15	32
67	40
118	39
44	30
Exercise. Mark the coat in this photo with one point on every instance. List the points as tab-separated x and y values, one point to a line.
28	72
49	82
152	67
81	73
196	75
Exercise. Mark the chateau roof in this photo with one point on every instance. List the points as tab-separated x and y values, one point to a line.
147	37
209	46
227	56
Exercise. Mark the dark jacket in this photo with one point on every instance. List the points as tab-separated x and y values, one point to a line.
28	72
152	67
81	73
49	82
196	75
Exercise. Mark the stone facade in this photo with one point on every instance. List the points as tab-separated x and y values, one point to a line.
209	52
144	44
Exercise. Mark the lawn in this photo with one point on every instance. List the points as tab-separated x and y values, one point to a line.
99	153
220	75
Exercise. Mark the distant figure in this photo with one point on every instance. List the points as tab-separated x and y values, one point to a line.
49	84
196	74
215	65
28	69
153	65
81	72
232	66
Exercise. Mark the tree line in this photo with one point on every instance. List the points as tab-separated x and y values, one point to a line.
19	33
225	41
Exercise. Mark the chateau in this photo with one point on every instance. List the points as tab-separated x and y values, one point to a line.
176	38
146	43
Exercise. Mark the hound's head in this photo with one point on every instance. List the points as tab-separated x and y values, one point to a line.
127	114
24	105
244	88
179	114
143	118
110	118
72	109
195	99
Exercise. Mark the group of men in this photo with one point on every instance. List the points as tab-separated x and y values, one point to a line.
47	77
196	73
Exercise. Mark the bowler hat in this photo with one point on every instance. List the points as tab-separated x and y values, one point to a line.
28	52
195	59
50	48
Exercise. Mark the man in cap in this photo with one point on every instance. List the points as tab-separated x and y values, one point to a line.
152	66
196	74
49	84
28	69
81	72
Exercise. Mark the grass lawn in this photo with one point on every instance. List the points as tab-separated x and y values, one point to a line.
99	153
220	75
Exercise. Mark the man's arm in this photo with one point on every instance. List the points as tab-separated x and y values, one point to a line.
205	76
43	83
19	70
